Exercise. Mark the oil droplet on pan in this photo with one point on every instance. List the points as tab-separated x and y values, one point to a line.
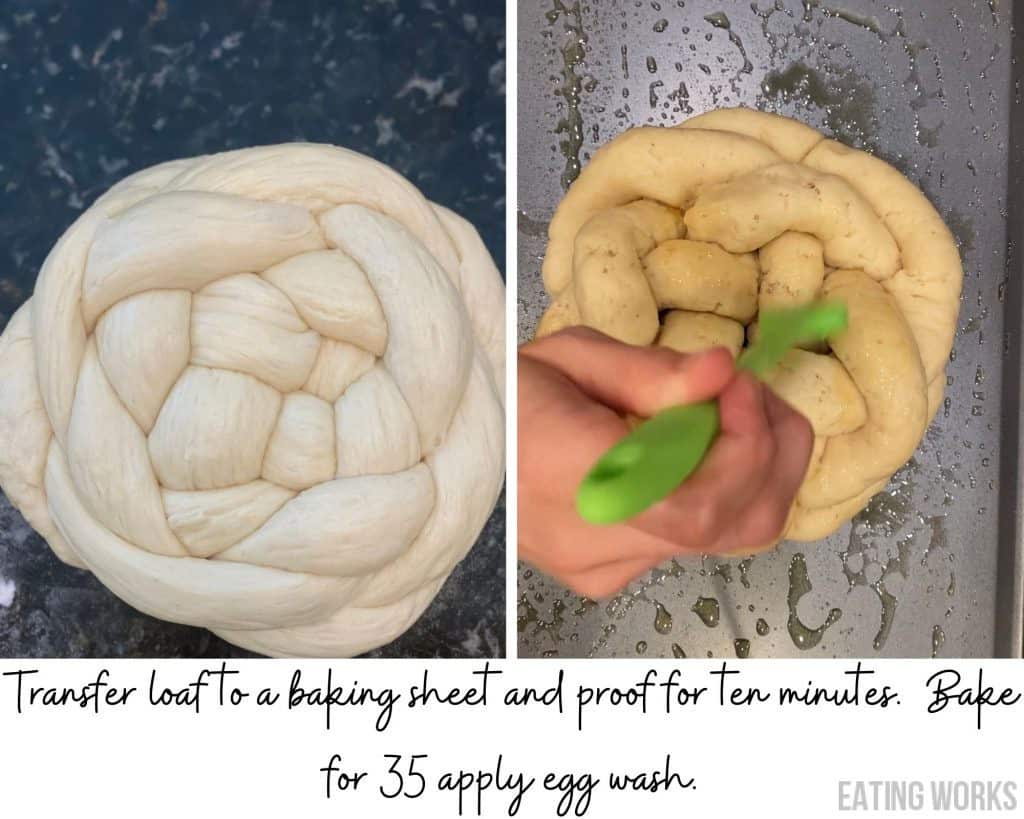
573	54
719	20
662	619
706	608
804	637
744	567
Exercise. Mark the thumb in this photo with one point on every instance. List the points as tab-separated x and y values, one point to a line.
633	380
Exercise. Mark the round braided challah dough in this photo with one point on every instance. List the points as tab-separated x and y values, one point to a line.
261	392
679	236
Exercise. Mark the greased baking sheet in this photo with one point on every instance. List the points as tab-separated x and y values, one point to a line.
933	566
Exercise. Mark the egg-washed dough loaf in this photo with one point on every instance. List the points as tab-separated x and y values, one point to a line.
261	392
735	211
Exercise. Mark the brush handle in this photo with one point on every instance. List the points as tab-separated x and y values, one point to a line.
648	464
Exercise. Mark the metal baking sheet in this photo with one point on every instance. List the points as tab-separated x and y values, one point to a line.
933	566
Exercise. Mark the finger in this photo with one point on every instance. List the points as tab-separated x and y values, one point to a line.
610	578
697	514
794	442
741	408
765	520
794	439
730	478
560	542
562	431
636	380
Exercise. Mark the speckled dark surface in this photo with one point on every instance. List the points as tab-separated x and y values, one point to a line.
91	92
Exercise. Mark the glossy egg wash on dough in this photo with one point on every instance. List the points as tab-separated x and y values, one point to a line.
261	392
679	236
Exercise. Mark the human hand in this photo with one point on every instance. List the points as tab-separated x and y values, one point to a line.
575	387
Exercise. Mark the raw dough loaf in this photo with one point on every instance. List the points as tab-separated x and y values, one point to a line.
735	211
261	392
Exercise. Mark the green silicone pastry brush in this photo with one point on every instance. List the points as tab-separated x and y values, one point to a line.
658	455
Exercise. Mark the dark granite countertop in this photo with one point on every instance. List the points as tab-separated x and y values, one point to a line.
92	92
